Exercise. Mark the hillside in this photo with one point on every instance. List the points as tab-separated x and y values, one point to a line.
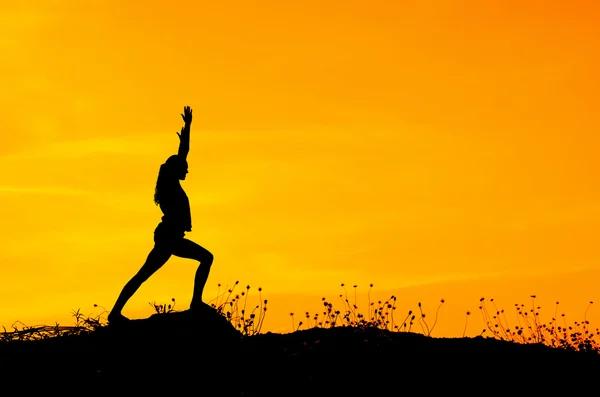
202	354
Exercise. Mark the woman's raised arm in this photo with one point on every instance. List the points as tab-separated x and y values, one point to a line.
184	136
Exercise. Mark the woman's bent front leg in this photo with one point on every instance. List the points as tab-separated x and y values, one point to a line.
190	250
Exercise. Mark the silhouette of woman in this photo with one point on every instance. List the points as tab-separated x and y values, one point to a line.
169	234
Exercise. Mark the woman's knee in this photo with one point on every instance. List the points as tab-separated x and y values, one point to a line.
207	258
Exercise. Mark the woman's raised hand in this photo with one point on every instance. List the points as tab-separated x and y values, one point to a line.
187	115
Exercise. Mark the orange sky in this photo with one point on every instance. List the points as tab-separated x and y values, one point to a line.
438	149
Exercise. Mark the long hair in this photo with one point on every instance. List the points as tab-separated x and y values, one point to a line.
166	176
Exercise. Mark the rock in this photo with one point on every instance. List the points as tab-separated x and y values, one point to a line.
195	346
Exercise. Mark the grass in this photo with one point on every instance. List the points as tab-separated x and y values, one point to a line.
529	328
379	315
248	318
235	308
83	325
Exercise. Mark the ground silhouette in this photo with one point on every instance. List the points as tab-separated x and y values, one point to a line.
201	353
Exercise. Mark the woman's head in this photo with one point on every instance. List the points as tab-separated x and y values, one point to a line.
175	167
173	170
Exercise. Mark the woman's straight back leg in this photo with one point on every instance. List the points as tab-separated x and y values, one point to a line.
157	257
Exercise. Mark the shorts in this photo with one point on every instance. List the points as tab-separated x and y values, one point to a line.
165	233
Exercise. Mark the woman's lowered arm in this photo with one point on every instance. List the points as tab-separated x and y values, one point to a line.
184	136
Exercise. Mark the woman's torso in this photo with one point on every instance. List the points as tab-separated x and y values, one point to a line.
175	206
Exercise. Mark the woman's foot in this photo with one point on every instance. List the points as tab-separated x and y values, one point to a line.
117	318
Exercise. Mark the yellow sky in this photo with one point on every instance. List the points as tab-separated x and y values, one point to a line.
439	149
